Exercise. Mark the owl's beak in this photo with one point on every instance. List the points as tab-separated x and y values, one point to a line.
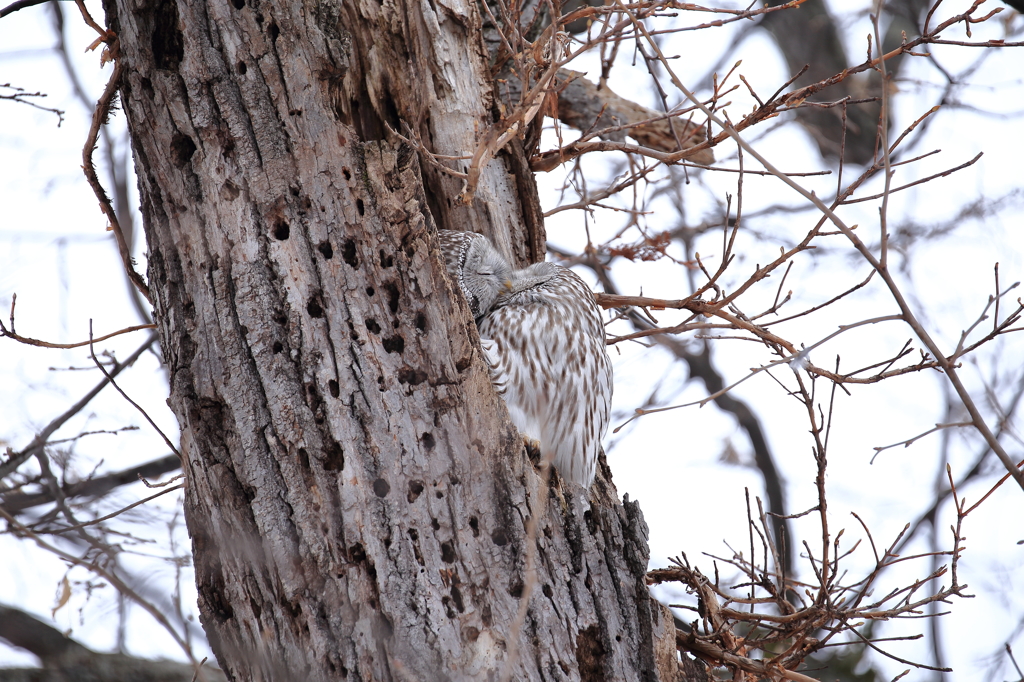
508	285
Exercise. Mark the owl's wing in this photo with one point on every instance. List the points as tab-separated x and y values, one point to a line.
576	417
545	351
514	363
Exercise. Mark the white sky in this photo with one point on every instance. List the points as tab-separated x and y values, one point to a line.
55	255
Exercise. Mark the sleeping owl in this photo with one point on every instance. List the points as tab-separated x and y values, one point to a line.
543	338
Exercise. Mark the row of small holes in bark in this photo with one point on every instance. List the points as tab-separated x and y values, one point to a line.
382	488
272	30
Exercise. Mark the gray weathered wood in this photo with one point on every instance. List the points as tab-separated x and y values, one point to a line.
356	496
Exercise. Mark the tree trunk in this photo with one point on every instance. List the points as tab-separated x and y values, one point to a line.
356	495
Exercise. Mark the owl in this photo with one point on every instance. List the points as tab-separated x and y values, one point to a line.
545	348
476	267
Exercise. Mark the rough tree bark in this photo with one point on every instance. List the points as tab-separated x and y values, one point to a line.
356	495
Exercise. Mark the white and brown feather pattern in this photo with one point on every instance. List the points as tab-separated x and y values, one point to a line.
545	346
454	248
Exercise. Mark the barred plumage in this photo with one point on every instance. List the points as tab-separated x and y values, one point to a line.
543	338
544	342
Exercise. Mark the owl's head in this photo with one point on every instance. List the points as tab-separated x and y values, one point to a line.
532	277
484	276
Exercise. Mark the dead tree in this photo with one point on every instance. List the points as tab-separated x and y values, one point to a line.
356	495
358	500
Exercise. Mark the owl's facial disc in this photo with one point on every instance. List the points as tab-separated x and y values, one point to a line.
485	276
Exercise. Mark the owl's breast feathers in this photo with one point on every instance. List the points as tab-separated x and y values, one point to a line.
545	347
